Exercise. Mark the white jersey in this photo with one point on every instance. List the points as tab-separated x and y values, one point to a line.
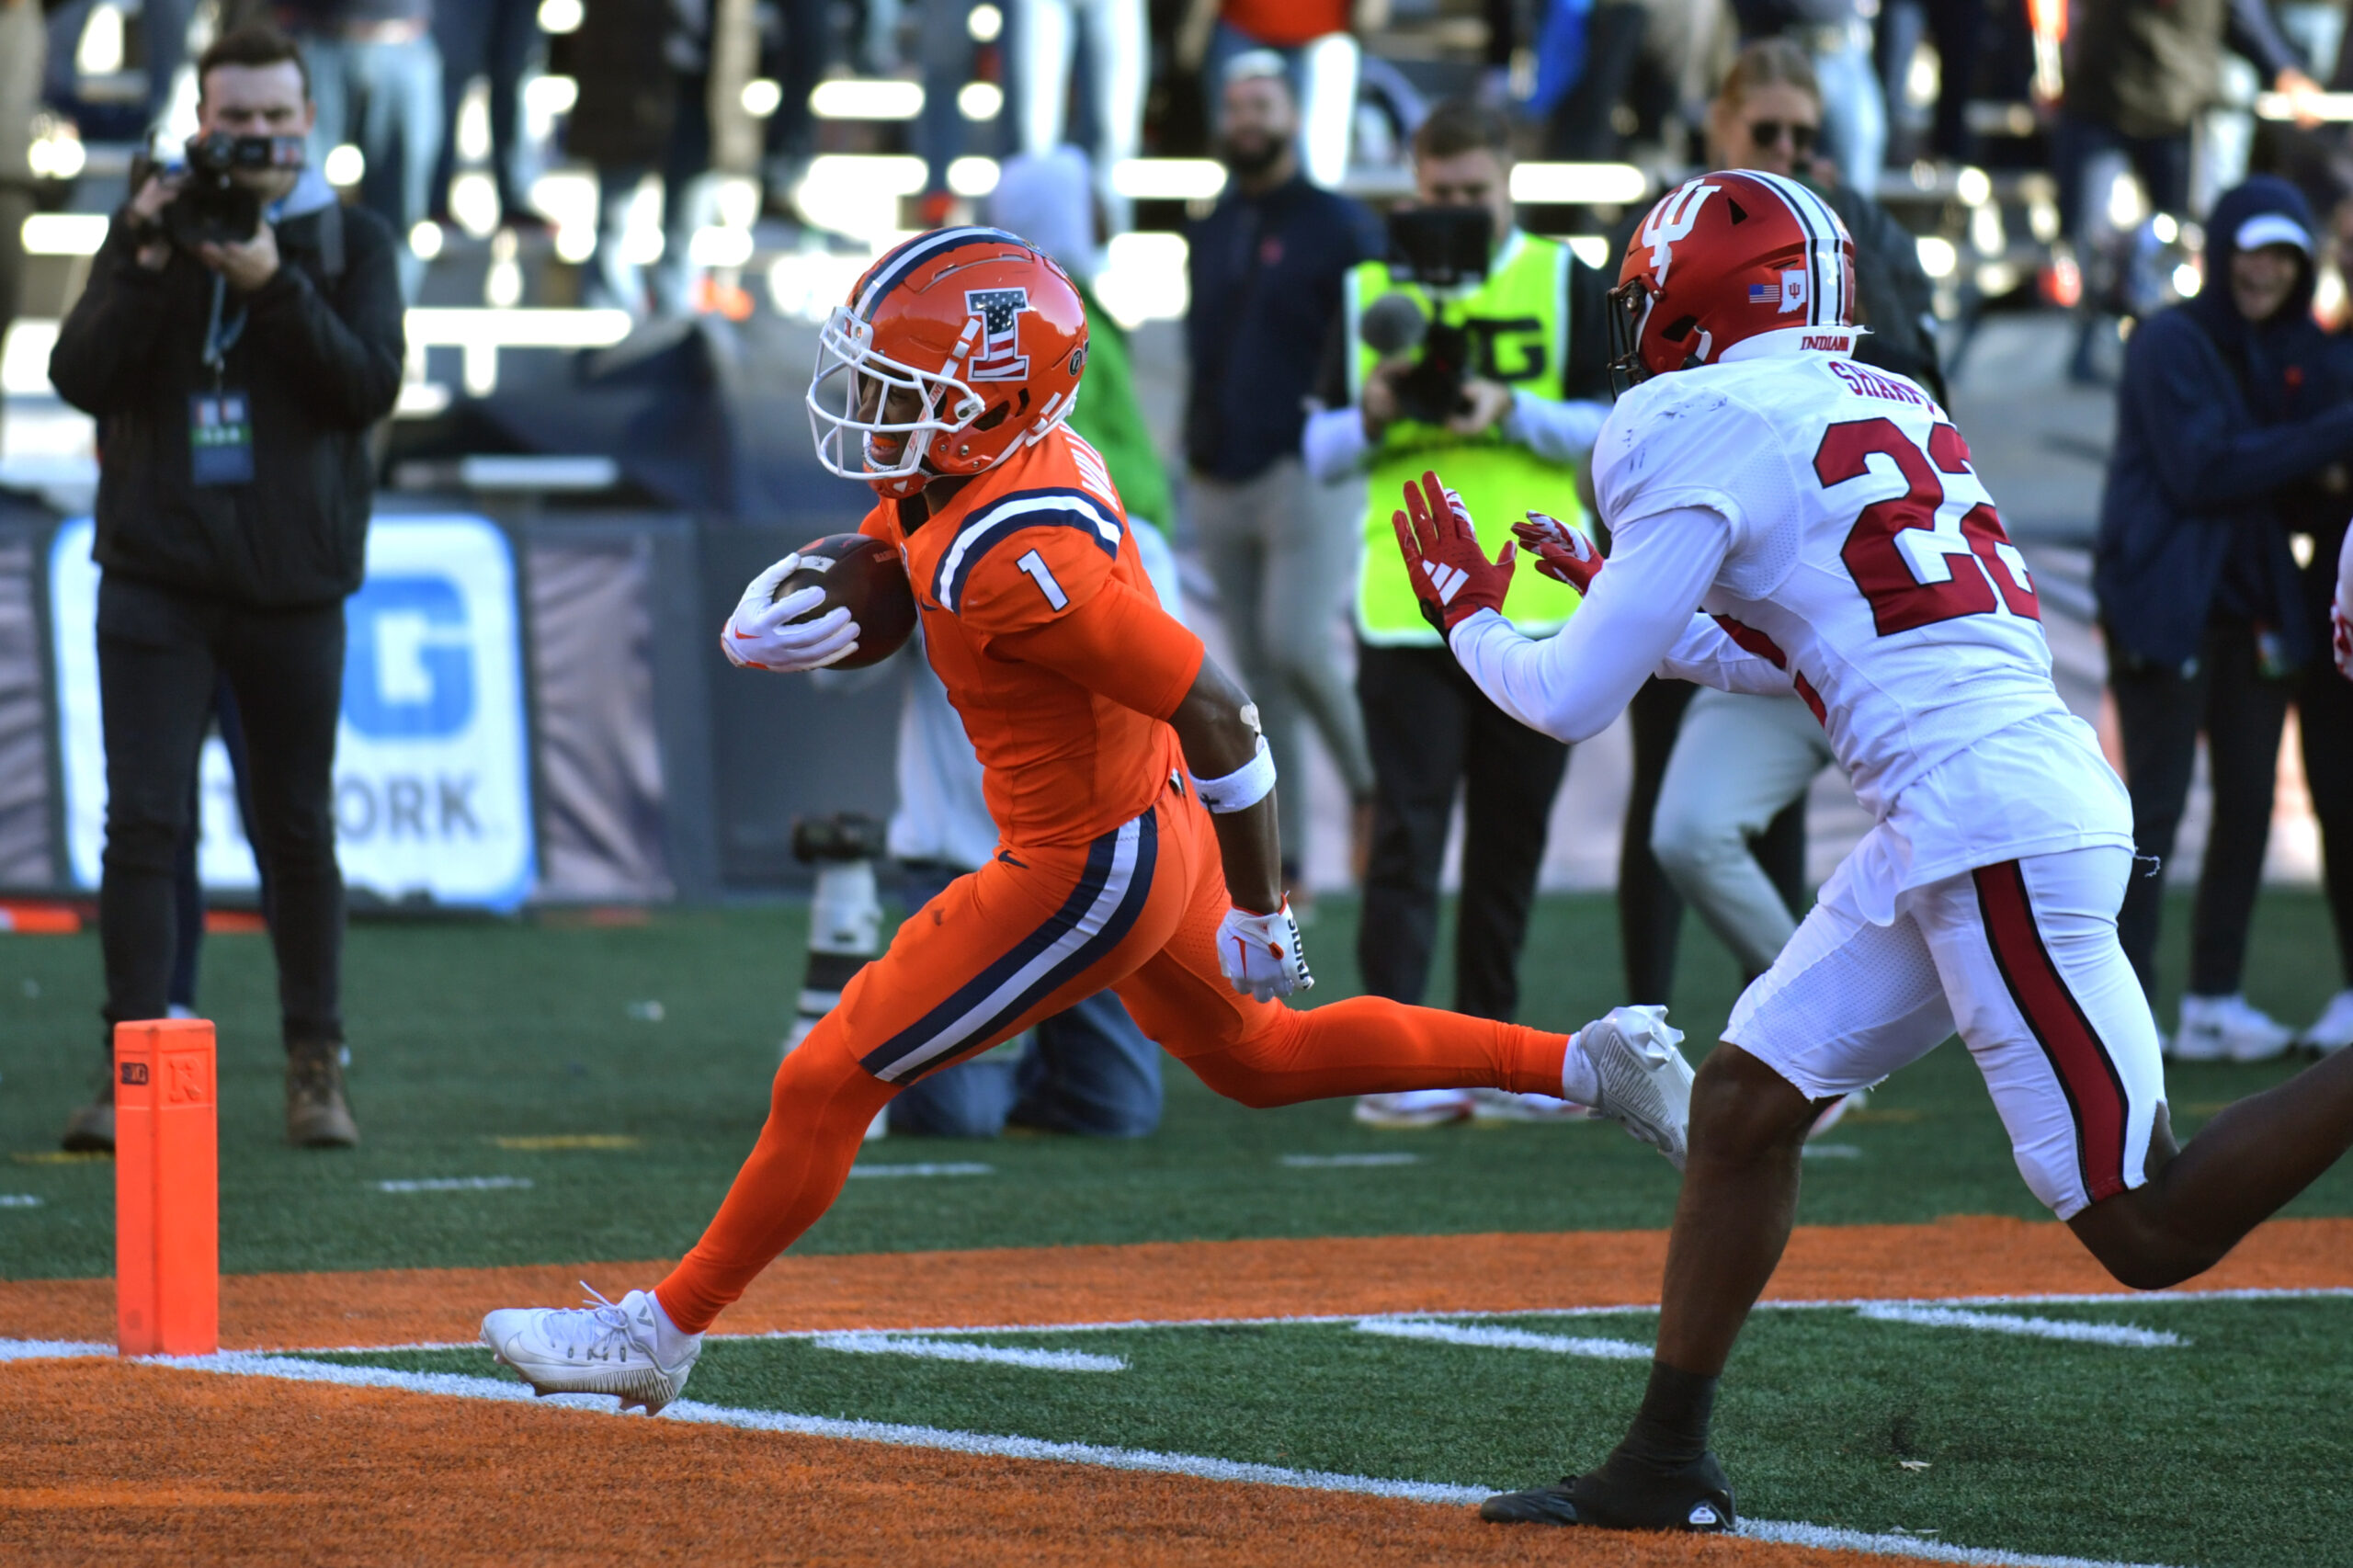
1867	561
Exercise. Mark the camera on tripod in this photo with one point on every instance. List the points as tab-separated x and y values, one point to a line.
213	206
1443	249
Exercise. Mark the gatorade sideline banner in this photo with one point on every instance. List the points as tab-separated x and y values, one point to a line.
432	785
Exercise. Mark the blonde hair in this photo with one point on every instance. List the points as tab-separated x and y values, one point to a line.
1769	63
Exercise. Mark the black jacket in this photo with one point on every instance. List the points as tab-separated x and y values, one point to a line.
2146	67
319	360
2224	431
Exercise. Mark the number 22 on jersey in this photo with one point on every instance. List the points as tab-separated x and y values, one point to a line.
1914	567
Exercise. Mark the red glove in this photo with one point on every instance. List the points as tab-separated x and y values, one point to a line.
1563	553
2341	625
1453	577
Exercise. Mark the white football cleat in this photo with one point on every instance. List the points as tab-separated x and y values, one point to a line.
1413	1107
616	1348
1502	1105
2228	1028
2333	1032
1645	1082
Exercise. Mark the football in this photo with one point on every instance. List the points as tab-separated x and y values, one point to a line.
866	578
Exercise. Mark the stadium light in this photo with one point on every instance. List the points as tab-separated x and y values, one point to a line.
852	97
64	233
1169	179
1579	184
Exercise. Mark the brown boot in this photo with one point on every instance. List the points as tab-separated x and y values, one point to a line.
90	1130
316	1116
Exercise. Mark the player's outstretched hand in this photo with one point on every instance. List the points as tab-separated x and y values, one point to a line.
1261	953
1563	552
763	636
1453	579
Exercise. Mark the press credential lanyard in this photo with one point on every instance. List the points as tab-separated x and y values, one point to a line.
219	425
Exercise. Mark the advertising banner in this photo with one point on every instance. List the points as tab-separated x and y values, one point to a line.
432	785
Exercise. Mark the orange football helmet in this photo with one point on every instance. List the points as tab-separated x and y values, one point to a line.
954	350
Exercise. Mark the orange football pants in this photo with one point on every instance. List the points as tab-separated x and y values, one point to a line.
1024	937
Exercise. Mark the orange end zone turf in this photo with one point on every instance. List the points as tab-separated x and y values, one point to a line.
256	1471
1189	1281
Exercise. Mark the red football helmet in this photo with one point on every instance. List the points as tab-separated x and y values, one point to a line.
954	350
1725	259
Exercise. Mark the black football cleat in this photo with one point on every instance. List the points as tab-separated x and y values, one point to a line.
1625	1494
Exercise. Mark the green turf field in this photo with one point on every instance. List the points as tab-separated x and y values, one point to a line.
467	1034
2222	1449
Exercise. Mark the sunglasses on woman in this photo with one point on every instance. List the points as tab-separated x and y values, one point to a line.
1770	132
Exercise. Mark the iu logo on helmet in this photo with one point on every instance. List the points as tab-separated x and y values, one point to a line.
999	355
1676	215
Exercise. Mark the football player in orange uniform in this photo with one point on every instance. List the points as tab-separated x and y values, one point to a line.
1132	791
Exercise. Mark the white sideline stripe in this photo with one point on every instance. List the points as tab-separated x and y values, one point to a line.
1505	1339
49	1349
1101	1456
454	1184
2037	1328
19	1200
1831	1150
959	1350
1335	1161
950	1169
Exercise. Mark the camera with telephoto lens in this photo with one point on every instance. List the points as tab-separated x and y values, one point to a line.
212	207
1445	250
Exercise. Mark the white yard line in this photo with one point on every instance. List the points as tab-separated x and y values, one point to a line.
953	1168
2036	1328
1093	1455
1347	1162
1504	1338
49	1349
959	1350
19	1200
455	1184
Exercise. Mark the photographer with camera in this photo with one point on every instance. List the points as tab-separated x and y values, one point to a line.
1482	352
240	333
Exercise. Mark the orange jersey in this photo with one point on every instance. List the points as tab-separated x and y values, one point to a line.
1053	645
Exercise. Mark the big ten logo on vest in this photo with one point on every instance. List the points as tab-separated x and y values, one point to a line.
1510	349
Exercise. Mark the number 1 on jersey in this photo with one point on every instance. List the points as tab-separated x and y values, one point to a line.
1043	575
1914	572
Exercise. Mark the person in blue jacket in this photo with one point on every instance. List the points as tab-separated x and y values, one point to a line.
2235	416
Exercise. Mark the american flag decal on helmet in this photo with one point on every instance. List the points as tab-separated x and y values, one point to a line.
999	355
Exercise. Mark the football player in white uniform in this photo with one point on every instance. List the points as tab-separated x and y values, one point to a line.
1825	519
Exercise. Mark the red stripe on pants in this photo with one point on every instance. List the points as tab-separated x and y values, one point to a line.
2095	1093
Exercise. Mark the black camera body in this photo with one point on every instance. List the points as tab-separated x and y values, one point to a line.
211	207
1445	250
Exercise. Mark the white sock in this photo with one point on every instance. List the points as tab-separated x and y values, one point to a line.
1579	1081
673	1338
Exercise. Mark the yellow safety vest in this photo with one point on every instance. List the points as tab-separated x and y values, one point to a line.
1519	325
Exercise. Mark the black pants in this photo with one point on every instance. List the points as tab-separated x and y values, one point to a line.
2161	714
1430	730
2324	716
159	657
1650	912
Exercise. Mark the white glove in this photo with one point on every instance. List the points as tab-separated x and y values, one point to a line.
1260	954
759	635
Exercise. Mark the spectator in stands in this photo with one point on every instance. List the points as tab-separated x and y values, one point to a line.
376	80
2137	74
1523	419
644	82
795	52
948	55
1836	36
1118	38
1313	40
1956	26
235	387
22	42
1266	270
2231	404
491	39
2324	725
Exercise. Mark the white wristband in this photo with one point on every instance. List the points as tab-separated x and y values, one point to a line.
1242	788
